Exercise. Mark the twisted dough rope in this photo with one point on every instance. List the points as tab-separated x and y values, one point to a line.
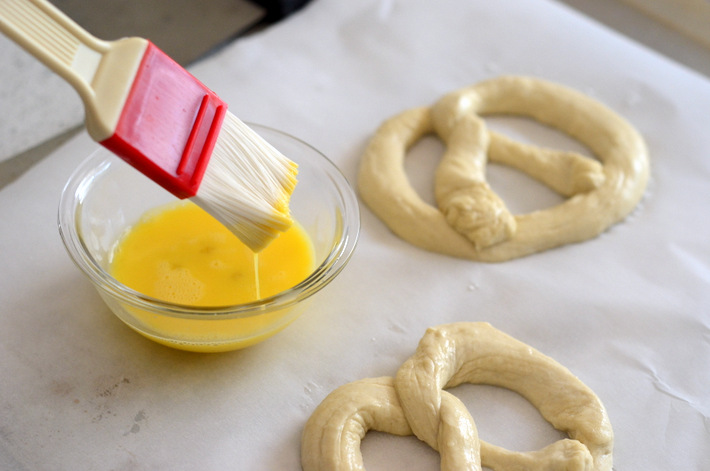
471	221
477	353
415	402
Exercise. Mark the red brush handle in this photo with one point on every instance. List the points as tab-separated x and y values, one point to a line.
169	124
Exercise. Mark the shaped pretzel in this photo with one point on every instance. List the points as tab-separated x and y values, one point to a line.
471	221
415	402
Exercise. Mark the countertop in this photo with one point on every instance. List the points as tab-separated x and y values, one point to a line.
626	312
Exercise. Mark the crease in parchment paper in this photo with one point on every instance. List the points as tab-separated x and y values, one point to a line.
698	403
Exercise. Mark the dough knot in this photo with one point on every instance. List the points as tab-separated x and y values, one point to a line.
415	402
479	214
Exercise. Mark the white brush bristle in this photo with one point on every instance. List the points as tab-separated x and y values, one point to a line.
247	185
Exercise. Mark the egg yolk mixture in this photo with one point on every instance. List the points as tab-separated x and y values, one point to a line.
181	254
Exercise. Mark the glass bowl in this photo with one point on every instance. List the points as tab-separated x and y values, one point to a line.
105	196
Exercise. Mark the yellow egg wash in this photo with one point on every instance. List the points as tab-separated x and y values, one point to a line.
181	254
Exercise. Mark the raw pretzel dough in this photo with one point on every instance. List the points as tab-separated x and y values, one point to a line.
471	220
475	352
331	437
415	402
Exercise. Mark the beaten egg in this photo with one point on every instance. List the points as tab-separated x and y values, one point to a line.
182	255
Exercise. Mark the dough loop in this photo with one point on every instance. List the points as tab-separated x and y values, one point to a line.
471	221
332	436
415	403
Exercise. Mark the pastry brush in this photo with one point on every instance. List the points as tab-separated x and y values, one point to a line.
152	113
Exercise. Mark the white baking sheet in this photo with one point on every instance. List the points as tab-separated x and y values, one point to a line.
626	312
